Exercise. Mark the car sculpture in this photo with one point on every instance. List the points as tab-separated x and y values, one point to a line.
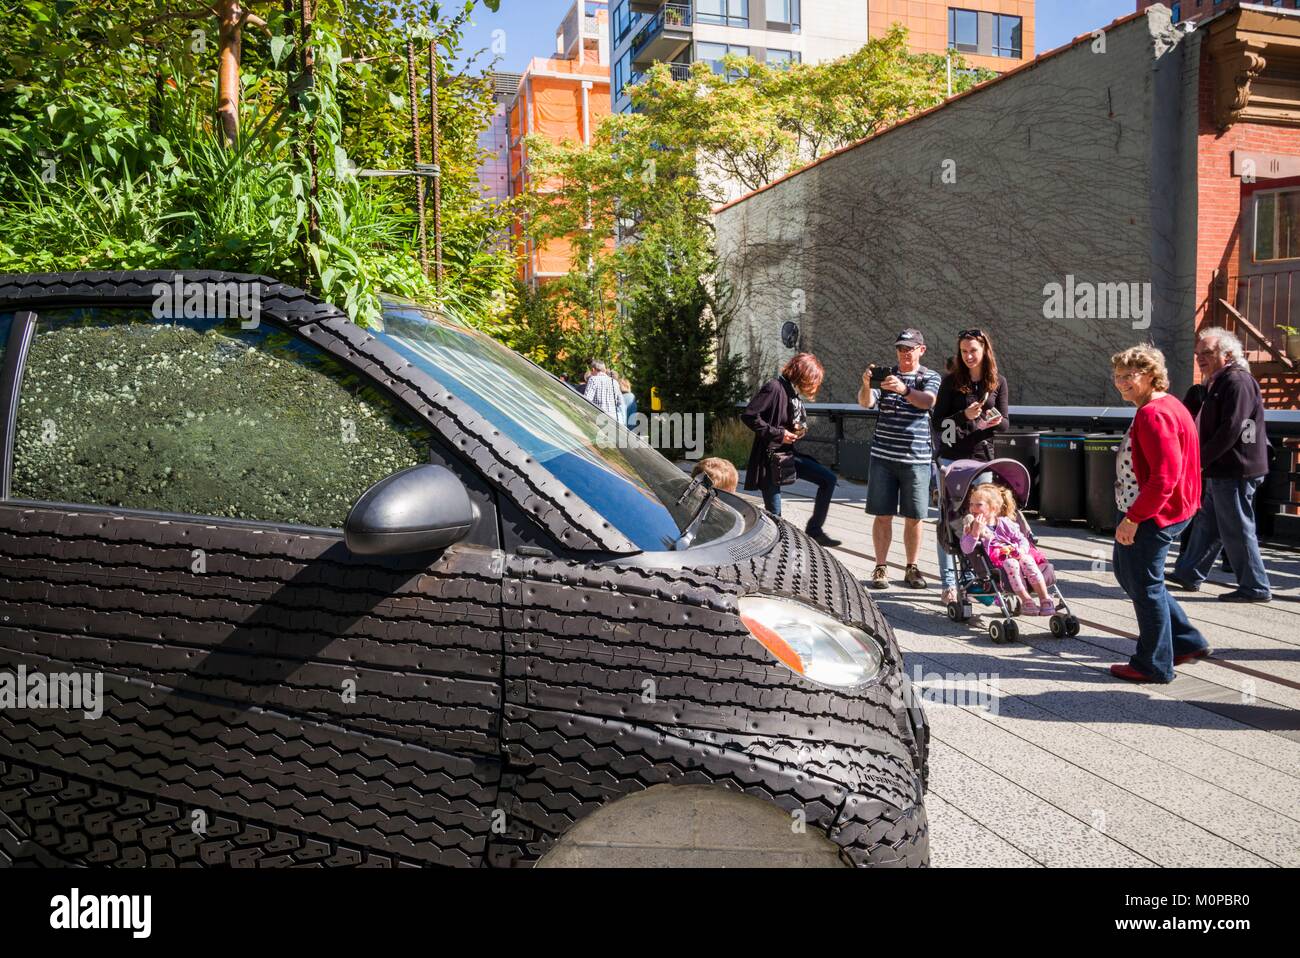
392	596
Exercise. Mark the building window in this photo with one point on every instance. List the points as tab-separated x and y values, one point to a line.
1006	35
729	13
712	54
1277	225
622	20
782	57
620	77
782	14
963	30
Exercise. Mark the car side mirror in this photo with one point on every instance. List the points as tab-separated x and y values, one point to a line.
416	510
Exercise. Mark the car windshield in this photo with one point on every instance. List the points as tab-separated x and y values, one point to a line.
630	484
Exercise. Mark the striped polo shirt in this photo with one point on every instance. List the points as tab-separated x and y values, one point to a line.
903	430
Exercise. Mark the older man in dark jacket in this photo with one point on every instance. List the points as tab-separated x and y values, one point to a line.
1234	455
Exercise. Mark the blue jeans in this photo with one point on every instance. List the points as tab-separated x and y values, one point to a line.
1227	521
1163	627
814	472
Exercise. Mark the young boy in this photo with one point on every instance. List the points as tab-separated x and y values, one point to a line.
722	473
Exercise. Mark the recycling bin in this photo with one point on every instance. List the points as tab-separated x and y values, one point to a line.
1060	476
1023	448
1100	452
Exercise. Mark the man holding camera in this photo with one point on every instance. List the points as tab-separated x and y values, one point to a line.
898	478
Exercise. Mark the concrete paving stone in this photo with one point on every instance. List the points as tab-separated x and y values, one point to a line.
1034	826
1158	811
958	841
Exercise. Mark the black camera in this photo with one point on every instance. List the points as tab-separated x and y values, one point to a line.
880	373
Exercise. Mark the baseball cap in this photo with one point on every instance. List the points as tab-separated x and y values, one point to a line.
910	337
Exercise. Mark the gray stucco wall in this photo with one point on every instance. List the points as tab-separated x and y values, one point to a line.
1083	165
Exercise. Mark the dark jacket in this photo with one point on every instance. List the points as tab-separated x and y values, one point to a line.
769	414
1230	449
968	442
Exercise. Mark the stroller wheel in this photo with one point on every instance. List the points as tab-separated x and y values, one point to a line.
1058	626
954	611
1071	625
1002	631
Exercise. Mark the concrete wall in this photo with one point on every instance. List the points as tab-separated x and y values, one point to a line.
1074	166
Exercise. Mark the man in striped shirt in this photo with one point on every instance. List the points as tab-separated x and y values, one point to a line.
898	478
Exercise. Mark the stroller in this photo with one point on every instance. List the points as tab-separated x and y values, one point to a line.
978	579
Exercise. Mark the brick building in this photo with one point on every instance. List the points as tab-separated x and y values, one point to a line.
563	97
1154	165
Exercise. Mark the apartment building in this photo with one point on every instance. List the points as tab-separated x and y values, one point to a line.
997	34
562	97
494	141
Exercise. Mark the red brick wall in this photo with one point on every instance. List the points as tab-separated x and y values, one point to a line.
1219	198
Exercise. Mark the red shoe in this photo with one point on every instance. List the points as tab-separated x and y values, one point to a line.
1191	656
1129	674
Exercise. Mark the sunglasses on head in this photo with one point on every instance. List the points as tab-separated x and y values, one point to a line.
971	334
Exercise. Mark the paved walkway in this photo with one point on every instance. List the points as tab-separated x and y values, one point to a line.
1067	766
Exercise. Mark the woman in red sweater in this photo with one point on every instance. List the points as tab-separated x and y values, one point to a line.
1158	490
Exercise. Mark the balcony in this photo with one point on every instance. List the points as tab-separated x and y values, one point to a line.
664	36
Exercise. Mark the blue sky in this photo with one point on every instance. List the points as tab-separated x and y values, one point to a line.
528	26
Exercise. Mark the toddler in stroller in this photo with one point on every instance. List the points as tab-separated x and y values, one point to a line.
982	527
990	525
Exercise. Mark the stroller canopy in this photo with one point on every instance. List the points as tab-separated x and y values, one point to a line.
964	473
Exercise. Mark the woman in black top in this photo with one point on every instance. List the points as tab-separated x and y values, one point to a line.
971	407
777	417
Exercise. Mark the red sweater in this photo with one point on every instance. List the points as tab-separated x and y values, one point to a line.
1167	460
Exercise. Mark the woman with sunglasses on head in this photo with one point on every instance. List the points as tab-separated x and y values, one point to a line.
971	407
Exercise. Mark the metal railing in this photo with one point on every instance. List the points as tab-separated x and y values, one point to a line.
672	15
1267	302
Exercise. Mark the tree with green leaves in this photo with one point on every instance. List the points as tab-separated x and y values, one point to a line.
652	177
115	153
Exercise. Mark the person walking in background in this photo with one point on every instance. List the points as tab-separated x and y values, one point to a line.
898	476
602	392
629	401
1157	488
971	407
1234	454
778	419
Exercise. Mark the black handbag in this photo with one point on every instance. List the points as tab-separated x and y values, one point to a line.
780	465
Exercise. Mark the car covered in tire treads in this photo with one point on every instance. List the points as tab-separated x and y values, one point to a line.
279	590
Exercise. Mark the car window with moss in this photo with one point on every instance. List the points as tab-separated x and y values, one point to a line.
201	417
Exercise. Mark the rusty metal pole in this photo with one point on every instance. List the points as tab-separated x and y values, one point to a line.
230	24
313	150
415	138
435	160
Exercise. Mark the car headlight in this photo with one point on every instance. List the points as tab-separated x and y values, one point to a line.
810	643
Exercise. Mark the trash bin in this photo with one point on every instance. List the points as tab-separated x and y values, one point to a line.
1060	476
1100	450
1023	448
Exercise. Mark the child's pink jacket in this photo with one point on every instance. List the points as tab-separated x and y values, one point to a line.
1008	539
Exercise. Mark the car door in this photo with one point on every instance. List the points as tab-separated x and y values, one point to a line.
173	495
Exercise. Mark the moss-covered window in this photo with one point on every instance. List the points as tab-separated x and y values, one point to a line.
201	417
